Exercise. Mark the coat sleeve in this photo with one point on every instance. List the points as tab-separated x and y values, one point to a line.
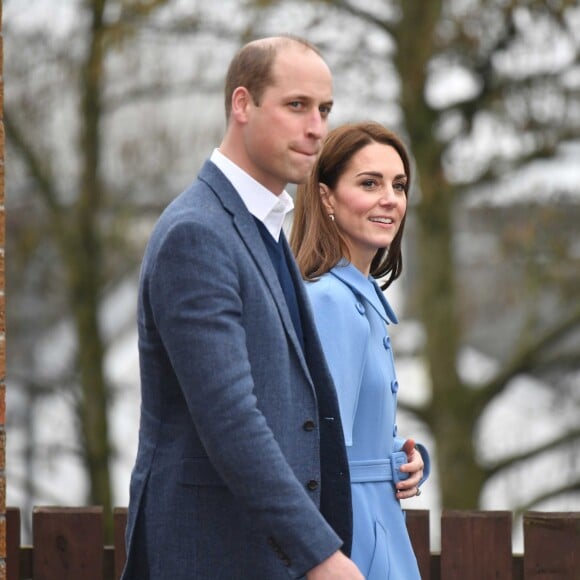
344	334
194	293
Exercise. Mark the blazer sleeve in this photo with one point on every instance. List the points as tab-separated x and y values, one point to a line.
196	304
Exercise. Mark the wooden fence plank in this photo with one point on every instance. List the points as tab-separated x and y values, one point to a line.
68	543
418	526
119	524
517	567
12	543
551	545
476	545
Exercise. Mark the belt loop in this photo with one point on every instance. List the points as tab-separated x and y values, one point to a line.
398	458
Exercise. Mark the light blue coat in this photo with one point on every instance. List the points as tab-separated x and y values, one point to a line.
352	315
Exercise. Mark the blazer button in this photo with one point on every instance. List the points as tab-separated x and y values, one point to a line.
312	485
308	425
360	307
394	386
387	342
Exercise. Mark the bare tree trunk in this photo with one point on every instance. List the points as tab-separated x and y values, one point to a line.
84	259
451	416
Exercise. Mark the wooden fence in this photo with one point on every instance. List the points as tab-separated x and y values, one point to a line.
475	545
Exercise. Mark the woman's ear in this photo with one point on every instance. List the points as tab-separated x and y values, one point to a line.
326	198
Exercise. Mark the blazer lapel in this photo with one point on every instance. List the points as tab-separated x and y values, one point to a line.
244	223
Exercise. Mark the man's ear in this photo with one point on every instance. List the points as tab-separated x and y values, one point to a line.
241	99
326	197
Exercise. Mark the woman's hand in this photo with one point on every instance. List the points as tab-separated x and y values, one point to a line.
414	467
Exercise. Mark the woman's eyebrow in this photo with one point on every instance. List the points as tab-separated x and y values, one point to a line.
379	174
373	173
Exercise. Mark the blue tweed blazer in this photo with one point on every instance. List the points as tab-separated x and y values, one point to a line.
241	470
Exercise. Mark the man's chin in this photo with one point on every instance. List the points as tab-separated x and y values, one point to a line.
299	179
300	173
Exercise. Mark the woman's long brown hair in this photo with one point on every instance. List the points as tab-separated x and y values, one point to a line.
315	239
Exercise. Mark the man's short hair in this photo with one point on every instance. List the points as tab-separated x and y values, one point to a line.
252	66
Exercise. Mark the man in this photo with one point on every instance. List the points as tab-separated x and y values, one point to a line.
241	472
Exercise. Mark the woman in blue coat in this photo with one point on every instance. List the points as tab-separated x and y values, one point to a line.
348	225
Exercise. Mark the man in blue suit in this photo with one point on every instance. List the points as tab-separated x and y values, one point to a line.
241	471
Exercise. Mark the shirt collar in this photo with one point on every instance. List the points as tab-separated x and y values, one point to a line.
269	208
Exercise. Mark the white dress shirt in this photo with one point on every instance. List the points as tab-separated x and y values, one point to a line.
269	208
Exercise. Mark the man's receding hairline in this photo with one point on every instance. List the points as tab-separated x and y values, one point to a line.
278	42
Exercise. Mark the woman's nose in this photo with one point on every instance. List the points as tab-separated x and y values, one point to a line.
388	196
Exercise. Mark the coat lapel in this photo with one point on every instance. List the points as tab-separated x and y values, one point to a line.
367	288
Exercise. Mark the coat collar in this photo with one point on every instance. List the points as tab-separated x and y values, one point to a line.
365	287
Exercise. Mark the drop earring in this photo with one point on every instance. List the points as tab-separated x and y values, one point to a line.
331	217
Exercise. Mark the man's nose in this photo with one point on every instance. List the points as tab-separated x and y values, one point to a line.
317	124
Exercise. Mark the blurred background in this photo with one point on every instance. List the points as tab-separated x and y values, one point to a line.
111	106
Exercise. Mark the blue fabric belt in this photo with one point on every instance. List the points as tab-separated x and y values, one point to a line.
378	469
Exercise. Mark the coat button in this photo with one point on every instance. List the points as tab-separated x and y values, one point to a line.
360	307
394	386
286	561
312	485
387	342
308	425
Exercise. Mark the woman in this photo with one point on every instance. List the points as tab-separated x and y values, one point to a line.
347	232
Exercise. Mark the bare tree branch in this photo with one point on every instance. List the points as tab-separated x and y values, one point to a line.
39	171
527	357
552	493
157	92
364	15
556	443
